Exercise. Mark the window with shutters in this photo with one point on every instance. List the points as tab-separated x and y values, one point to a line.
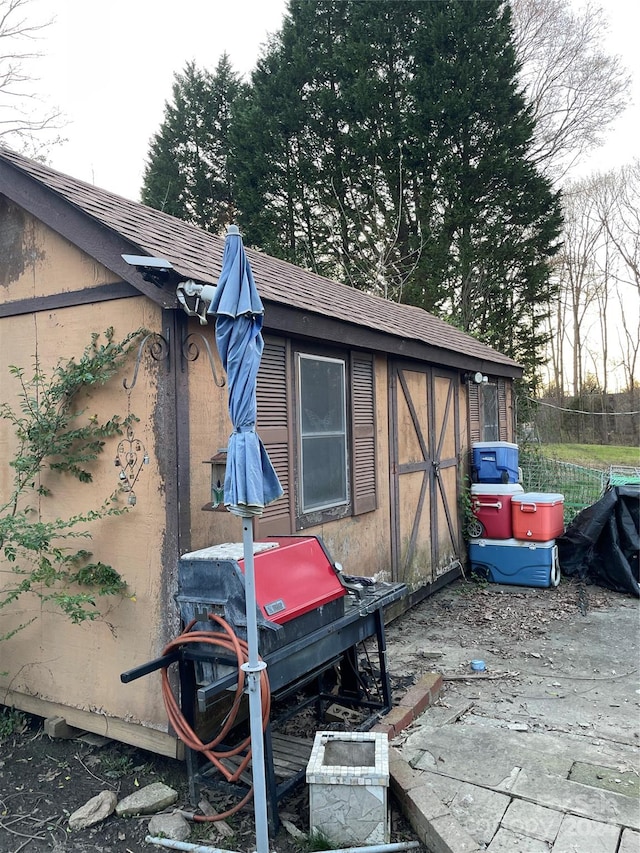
488	419
316	418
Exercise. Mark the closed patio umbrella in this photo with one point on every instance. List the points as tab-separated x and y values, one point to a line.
250	480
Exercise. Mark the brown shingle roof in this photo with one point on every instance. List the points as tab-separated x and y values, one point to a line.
197	254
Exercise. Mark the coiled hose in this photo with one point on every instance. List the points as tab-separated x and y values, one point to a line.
226	639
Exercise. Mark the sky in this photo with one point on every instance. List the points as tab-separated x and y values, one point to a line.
109	67
621	40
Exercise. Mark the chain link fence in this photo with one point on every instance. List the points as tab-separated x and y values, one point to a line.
580	486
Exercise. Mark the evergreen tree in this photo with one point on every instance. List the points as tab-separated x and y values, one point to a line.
492	221
386	144
187	173
313	167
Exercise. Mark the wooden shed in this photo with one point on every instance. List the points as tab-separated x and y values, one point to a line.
404	380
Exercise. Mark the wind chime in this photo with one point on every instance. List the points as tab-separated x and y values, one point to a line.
131	457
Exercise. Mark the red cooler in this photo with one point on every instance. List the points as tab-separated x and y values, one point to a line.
537	516
491	507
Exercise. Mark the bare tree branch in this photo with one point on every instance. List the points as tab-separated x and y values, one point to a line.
618	206
23	115
575	89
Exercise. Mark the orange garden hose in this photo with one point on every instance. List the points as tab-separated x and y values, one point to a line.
224	639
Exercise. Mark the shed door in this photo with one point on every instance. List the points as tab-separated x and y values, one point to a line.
425	450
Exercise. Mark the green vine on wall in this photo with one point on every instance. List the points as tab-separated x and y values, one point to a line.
466	507
55	435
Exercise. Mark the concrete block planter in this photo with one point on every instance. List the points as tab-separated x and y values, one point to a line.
348	777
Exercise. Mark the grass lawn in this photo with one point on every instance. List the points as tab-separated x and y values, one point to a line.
592	455
577	471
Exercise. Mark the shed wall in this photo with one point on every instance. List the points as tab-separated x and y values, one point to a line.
36	262
209	430
51	662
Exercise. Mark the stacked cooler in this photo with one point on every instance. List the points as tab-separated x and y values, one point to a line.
512	533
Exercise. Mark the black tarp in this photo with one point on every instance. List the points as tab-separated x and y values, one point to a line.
601	544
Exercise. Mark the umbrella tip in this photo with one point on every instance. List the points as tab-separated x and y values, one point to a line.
233	229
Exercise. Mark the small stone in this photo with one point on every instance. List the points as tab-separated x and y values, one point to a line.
94	810
148	800
172	826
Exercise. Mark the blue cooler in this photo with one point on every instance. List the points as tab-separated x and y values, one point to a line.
513	561
494	462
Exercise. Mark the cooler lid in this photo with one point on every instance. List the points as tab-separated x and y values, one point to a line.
496	488
538	498
480	445
527	544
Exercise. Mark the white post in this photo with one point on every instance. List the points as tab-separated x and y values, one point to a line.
253	669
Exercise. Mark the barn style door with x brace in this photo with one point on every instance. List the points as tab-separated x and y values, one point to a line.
425	454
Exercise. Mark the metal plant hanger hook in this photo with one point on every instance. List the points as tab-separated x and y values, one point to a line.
158	350
190	352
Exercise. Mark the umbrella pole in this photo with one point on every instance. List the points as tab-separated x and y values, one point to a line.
253	669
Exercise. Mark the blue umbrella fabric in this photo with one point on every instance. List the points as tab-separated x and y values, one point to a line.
250	480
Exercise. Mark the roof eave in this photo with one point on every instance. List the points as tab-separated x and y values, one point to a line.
280	318
78	227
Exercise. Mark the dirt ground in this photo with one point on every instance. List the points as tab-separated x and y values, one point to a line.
43	781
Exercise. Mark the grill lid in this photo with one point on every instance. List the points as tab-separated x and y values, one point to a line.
293	576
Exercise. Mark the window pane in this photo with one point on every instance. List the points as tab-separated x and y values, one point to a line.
490	431
324	481
323	435
321	395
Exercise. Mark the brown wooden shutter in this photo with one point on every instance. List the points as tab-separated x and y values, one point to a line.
363	432
503	423
475	427
274	428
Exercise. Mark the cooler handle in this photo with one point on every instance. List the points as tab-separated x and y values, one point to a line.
528	507
480	505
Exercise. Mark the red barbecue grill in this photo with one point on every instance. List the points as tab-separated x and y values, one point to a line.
294	577
311	619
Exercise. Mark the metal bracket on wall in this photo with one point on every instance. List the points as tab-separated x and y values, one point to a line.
190	352
158	350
